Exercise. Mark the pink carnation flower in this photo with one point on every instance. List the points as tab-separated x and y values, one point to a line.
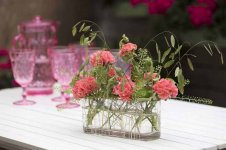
102	58
84	87
124	90
159	6
165	89
127	48
111	72
125	77
200	15
148	75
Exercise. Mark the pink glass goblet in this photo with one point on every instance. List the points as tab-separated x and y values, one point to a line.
89	51
80	51
65	66
120	63
52	50
83	52
23	62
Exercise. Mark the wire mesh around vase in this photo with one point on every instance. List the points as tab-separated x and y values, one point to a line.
140	120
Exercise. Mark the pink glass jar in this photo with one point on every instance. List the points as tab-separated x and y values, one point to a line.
38	34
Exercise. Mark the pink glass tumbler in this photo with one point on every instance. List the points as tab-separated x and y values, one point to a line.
65	66
23	63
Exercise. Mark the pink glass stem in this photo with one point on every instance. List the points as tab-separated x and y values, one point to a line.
62	94
68	104
67	98
24	94
59	98
24	100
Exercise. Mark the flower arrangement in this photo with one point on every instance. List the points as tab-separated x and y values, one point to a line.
188	13
126	103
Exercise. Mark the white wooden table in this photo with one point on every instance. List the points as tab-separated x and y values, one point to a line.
185	126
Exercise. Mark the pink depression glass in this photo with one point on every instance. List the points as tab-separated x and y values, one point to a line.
23	63
80	51
65	65
83	52
120	63
89	52
38	34
52	50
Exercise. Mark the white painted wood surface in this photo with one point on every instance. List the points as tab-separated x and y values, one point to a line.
185	126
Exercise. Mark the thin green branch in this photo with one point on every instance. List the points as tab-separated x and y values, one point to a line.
159	35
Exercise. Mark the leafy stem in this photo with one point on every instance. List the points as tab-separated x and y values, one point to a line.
86	29
164	32
209	50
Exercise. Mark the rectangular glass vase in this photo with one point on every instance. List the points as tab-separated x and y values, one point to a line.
138	120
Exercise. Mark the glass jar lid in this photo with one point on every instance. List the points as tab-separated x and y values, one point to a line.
37	22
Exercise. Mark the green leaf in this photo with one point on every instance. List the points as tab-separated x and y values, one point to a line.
81	28
172	40
222	59
177	71
209	51
73	81
158	52
210	48
82	39
157	47
125	38
190	64
92	36
120	43
86	41
168	64
193	55
170	79
110	84
181	81
86	28
74	31
165	54
143	93
166	41
172	55
67	91
178	49
218	50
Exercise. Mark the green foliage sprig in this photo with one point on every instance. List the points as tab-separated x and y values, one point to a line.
167	64
89	31
170	60
146	71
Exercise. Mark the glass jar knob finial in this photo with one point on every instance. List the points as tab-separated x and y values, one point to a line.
37	19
